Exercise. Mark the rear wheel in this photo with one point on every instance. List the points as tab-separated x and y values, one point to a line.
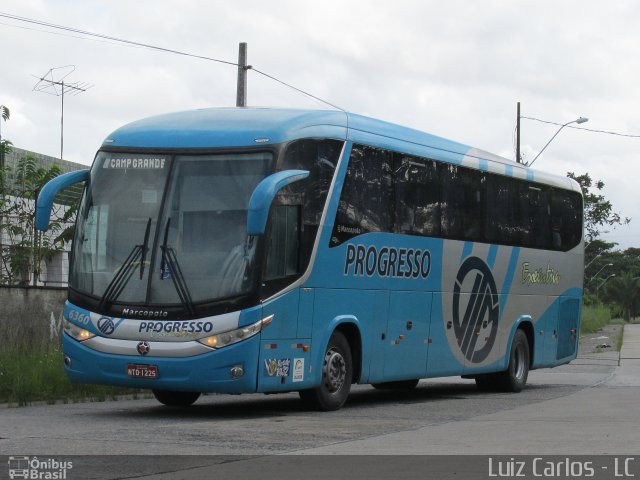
514	378
172	398
399	385
337	374
486	383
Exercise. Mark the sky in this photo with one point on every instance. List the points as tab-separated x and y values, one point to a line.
455	69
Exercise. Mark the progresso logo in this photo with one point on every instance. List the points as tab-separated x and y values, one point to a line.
390	262
108	325
475	315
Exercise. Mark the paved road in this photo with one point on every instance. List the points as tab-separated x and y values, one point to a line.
587	407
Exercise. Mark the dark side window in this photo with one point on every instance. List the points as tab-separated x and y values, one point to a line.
386	191
296	213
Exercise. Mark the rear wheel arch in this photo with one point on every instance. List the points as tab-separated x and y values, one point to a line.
527	327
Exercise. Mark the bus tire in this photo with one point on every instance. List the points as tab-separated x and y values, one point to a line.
514	378
398	385
337	375
172	398
486	382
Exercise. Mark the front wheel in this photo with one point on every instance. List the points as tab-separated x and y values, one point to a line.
172	398
337	374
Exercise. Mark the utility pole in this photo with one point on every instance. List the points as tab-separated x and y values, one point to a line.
241	96
518	159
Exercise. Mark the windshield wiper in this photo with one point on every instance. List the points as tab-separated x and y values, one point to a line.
144	248
121	278
170	262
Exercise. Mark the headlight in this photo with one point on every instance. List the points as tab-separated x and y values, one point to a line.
76	332
234	336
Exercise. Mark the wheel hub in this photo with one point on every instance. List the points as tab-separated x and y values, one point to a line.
519	363
335	371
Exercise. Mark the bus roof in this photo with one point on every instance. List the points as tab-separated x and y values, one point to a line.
241	127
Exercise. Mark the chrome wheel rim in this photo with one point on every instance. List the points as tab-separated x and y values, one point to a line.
335	370
519	361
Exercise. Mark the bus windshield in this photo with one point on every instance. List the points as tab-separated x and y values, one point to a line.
159	229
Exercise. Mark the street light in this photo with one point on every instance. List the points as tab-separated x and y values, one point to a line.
607	265
593	260
603	282
588	244
578	121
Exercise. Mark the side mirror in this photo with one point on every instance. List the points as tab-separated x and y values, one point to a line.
263	196
44	203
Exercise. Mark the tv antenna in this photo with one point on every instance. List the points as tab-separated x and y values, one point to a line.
53	83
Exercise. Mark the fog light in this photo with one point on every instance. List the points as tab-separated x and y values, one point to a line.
237	371
67	361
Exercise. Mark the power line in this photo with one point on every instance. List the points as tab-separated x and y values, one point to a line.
60	34
583	128
296	89
154	47
114	39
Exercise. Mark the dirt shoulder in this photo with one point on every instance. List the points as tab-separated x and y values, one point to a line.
606	340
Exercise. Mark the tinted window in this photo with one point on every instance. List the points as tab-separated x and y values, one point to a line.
297	211
439	199
366	202
417	196
566	213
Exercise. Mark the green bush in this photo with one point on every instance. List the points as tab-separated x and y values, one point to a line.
594	318
31	376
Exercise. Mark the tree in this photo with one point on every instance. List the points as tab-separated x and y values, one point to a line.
598	212
623	289
26	247
5	145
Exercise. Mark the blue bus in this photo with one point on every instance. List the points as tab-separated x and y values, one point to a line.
271	250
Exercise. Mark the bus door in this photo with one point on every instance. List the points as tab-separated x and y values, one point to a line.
406	342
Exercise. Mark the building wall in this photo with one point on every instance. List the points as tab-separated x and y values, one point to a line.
45	161
30	317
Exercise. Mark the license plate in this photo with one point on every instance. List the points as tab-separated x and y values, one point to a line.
142	371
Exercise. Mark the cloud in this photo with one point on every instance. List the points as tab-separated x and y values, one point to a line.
453	68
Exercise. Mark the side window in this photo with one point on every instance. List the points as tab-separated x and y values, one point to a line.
395	192
297	210
366	199
452	219
417	196
464	202
566	219
474	188
524	230
320	158
540	216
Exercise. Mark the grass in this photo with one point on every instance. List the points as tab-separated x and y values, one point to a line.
33	376
594	318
